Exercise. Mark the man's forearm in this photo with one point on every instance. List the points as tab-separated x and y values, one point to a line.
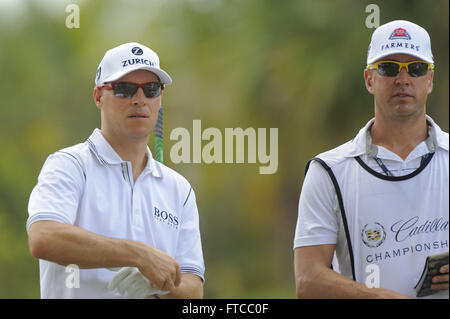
325	283
67	244
191	287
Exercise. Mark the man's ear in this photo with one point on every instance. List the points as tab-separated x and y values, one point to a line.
98	93
430	82
368	79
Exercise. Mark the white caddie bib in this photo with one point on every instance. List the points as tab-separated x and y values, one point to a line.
395	222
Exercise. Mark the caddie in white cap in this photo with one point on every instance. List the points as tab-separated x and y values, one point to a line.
400	37
105	212
377	207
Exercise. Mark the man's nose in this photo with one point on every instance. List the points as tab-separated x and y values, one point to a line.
139	97
403	77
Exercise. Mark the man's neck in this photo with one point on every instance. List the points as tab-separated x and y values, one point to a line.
134	151
400	137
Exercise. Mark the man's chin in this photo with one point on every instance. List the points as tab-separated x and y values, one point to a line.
404	113
139	134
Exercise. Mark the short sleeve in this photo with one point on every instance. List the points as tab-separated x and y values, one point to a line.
189	252
58	191
317	210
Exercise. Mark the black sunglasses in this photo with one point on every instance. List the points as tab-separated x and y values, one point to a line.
392	68
128	89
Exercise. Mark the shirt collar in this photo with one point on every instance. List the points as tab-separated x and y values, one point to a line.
439	137
362	143
106	154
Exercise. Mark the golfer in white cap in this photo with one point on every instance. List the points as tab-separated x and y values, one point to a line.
126	223
379	203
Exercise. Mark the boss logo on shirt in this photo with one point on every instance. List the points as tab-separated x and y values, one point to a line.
165	217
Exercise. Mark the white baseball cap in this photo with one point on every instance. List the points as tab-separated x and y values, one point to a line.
127	58
402	37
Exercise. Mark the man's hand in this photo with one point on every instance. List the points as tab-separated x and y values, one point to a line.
130	282
162	270
440	282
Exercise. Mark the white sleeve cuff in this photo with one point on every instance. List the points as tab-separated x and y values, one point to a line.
57	217
192	270
314	241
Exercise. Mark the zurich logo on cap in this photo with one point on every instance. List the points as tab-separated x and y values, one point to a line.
137	51
400	33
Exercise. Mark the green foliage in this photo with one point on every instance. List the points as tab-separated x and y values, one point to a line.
293	65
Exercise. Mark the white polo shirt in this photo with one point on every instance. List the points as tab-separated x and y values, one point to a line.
88	185
394	221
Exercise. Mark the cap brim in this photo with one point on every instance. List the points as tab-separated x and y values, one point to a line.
424	58
162	75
